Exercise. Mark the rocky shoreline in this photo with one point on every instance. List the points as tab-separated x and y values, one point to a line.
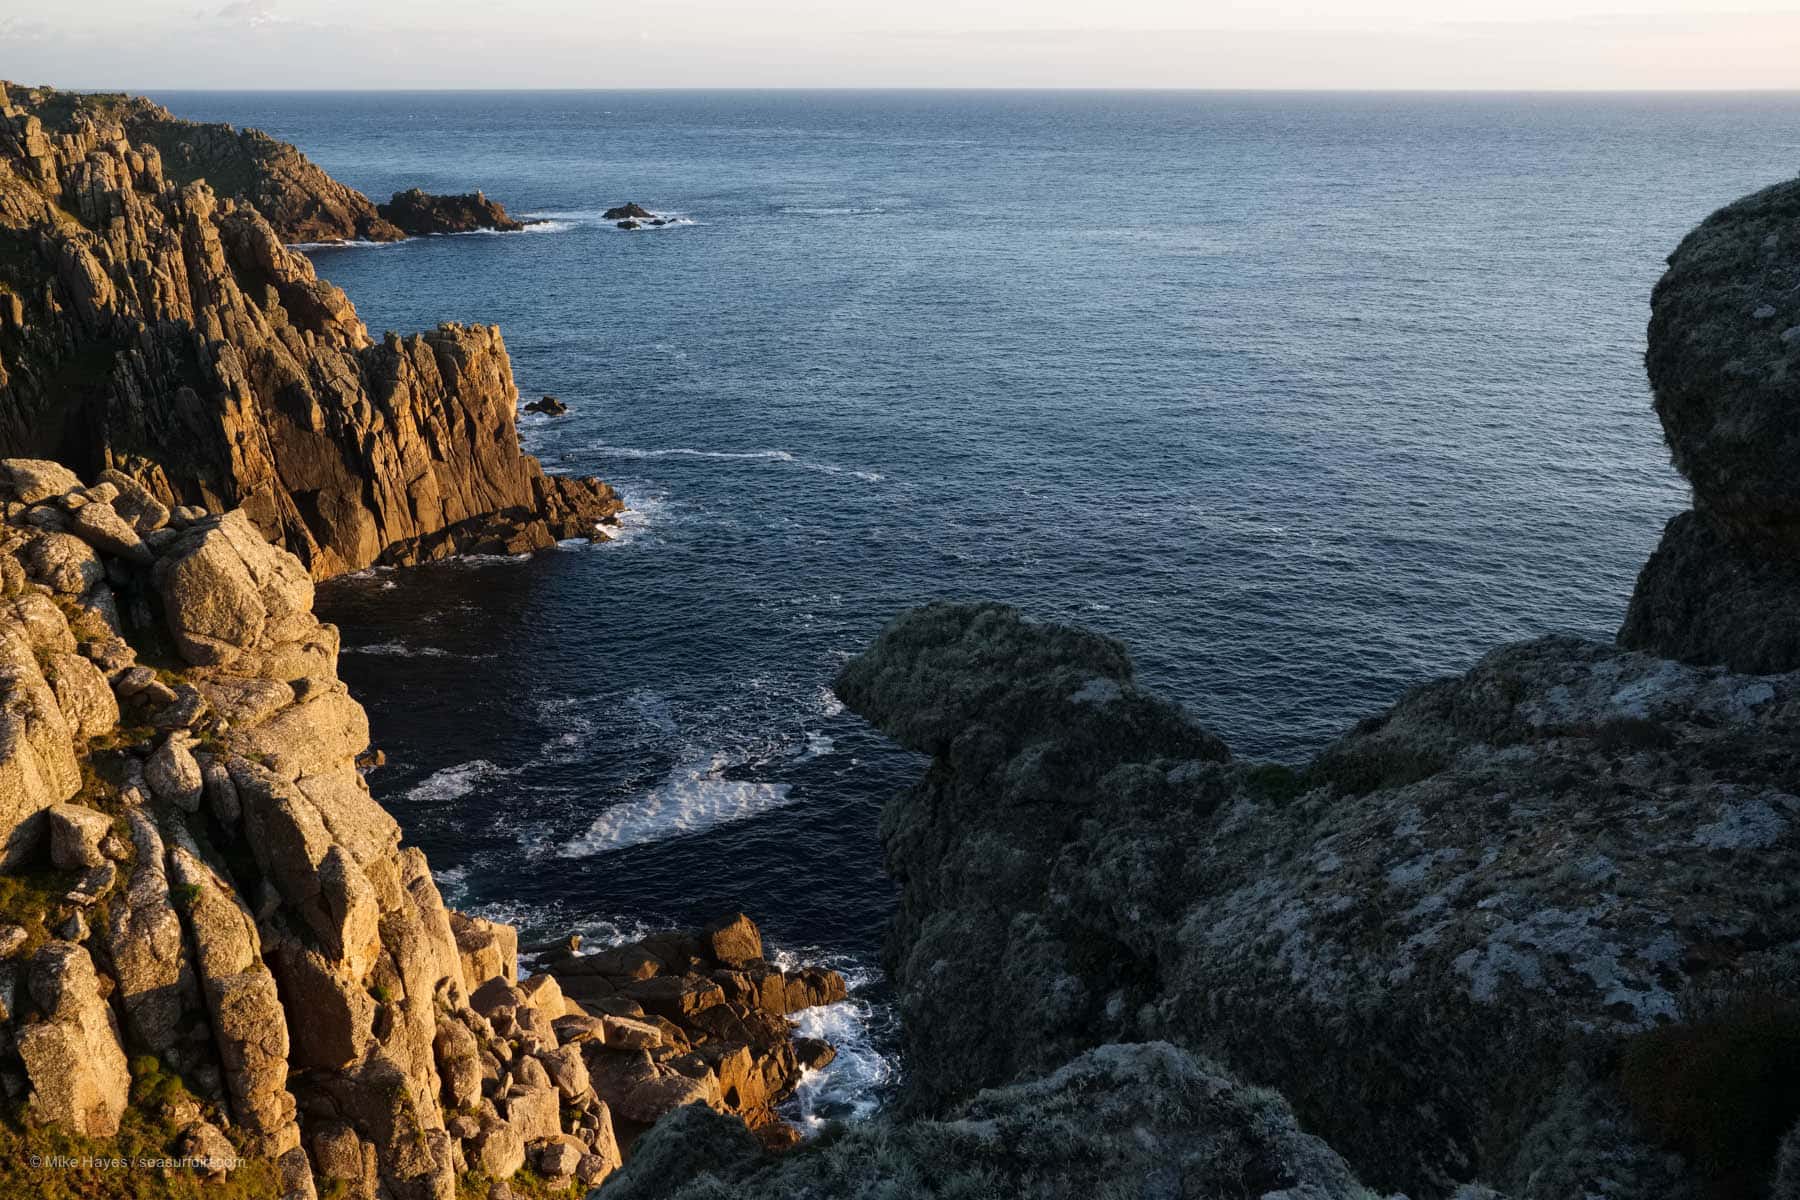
204	895
1532	932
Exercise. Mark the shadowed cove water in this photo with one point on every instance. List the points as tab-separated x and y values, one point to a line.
1305	398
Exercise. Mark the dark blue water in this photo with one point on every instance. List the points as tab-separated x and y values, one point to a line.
1306	398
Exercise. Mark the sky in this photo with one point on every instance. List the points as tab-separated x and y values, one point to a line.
1359	44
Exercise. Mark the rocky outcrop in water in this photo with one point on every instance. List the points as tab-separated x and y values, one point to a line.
418	213
209	927
158	333
1724	360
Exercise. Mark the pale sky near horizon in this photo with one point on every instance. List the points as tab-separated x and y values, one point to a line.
1447	44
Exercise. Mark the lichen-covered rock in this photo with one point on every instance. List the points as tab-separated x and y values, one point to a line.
1118	1120
1401	937
144	942
74	1057
86	700
76	833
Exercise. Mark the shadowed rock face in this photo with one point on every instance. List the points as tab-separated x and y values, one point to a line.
162	333
1429	940
1724	360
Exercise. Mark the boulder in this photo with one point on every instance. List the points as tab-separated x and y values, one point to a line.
75	836
567	1072
30	480
557	1158
208	1148
675	998
73	1057
626	1033
174	775
734	940
223	586
136	503
323	734
497	1151
63	563
549	406
532	1111
250	1031
82	693
106	531
488	950
144	941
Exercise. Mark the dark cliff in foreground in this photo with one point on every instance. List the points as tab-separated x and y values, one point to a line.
152	330
1534	931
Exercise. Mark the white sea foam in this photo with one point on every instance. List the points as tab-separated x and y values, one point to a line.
350	244
568	218
399	650
818	745
852	1086
776	456
694	797
827	702
453	783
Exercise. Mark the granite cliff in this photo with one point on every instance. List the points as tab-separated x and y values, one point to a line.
214	945
162	335
298	199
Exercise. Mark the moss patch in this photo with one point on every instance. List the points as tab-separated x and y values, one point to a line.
48	1162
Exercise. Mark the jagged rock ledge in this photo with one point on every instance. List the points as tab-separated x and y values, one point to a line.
213	943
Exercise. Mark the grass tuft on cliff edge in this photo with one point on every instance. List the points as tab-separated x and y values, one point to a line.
47	1162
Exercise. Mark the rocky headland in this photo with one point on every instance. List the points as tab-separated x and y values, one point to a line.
164	336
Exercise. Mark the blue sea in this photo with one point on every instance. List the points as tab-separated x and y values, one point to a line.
1306	398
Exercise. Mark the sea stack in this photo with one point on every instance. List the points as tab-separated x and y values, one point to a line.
1724	360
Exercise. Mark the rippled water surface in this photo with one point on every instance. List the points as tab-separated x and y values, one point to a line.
1305	398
